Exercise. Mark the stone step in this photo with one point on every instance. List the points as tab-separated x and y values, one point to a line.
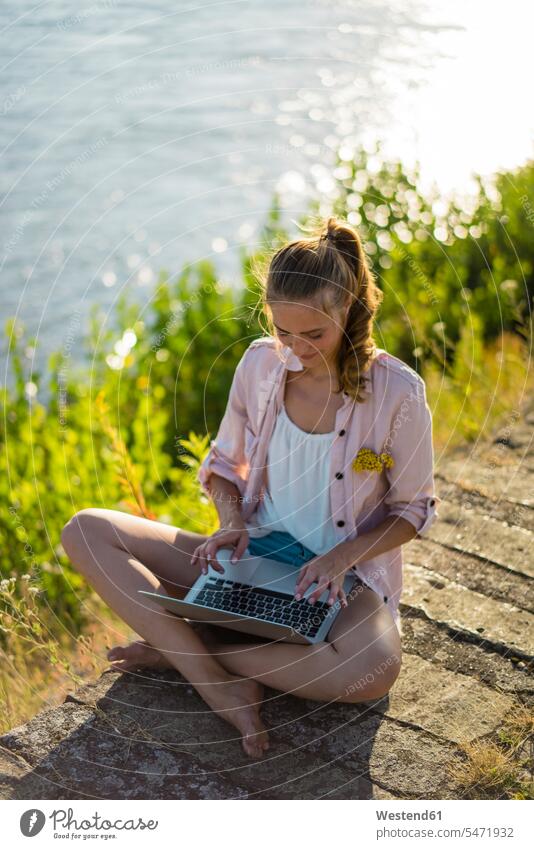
73	757
479	616
444	703
447	704
462	529
398	747
120	738
159	732
403	761
292	771
13	768
426	638
519	441
500	509
472	573
513	481
407	762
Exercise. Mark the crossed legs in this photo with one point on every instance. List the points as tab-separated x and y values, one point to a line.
119	554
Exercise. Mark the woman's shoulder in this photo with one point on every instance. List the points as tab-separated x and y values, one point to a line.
263	342
395	366
262	352
258	363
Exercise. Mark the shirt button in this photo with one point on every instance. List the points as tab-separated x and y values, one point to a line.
340	523
339	475
342	432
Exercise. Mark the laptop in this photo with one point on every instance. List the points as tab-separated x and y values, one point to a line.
256	595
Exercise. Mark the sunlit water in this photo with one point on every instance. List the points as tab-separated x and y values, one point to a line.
138	137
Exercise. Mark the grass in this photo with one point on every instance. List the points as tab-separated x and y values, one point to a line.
502	768
470	401
38	669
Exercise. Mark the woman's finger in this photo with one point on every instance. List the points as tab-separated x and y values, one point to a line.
211	555
300	578
202	560
343	597
334	592
306	581
322	584
302	571
240	548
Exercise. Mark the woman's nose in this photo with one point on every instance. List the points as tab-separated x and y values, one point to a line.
299	350
299	346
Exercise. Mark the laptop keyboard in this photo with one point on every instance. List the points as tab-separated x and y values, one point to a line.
260	603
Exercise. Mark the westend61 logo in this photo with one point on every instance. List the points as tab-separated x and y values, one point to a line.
33	820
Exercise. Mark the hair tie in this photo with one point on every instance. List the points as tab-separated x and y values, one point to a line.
330	236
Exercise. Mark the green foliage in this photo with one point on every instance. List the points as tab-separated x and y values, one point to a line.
441	261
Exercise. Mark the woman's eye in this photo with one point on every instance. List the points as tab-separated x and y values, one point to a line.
313	338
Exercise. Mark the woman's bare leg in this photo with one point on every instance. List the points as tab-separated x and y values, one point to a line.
120	554
359	661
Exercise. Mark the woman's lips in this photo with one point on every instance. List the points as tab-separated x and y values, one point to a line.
308	357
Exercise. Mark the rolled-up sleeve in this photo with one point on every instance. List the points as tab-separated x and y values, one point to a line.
226	455
411	492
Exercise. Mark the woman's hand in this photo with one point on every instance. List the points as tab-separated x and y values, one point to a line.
235	535
329	571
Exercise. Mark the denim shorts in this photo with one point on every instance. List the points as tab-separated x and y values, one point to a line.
281	546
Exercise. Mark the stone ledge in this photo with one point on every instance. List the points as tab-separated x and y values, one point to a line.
113	742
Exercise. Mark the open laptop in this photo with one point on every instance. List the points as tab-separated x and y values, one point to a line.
256	595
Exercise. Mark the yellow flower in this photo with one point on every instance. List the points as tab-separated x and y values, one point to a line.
367	461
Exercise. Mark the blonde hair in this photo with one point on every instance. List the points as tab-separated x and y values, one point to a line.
330	266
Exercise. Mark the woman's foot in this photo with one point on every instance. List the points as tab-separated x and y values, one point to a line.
138	653
238	701
141	653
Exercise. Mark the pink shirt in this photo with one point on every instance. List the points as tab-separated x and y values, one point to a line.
395	417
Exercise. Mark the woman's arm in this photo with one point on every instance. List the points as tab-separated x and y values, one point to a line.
233	532
411	500
411	494
329	569
227	500
226	456
390	533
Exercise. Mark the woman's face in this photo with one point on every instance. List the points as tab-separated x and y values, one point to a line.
310	333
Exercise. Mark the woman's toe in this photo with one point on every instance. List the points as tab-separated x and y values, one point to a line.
116	653
256	738
255	745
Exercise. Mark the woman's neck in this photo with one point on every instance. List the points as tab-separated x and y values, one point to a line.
322	371
321	375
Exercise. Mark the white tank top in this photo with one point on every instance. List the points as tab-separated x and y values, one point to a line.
297	499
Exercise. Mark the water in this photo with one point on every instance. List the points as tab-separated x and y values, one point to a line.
138	137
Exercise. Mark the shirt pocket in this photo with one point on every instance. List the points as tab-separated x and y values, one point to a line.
368	488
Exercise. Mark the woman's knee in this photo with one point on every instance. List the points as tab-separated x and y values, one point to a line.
78	531
378	677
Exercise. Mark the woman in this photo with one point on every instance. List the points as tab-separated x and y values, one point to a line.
323	460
